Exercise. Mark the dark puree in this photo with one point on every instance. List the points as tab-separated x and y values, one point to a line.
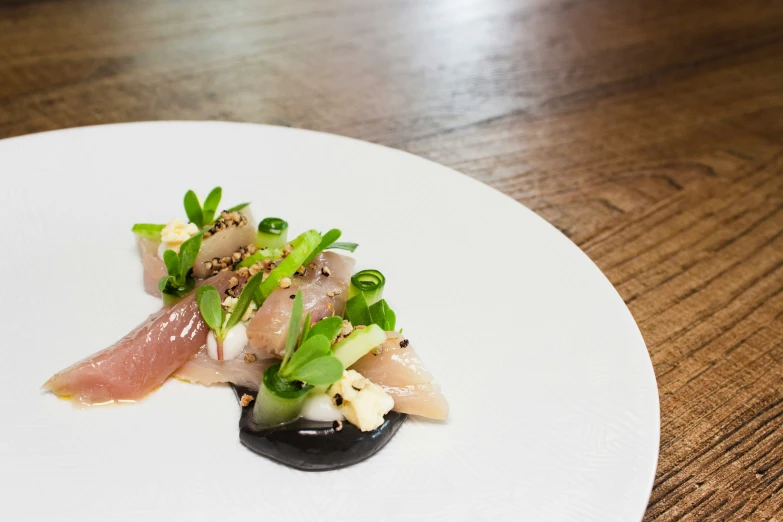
314	446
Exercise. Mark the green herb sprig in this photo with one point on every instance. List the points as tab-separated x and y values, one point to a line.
179	280
308	356
202	216
359	312
211	308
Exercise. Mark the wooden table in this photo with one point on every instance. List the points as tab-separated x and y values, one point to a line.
650	133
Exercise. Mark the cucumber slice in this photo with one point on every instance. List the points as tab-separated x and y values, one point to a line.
358	344
272	233
278	401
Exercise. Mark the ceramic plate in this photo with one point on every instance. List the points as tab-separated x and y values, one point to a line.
554	405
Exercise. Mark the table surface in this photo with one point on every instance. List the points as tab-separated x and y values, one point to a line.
650	133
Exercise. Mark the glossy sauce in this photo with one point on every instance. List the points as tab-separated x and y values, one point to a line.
312	445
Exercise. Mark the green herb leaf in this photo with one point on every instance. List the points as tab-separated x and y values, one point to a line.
329	328
357	311
148	230
344	246
327	240
188	252
305	329
211	205
193	209
209	304
321	371
313	348
237	208
171	259
307	242
294	325
244	300
383	316
281	387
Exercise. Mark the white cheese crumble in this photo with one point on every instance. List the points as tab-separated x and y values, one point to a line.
362	402
174	234
229	303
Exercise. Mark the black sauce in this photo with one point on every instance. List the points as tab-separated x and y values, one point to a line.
314	446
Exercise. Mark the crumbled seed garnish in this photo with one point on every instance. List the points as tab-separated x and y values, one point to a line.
245	400
347	328
233	282
285	282
377	350
253	270
264	276
325	271
250	358
236	256
208	265
337	425
252	249
404	343
292	296
334	293
244	272
226	220
312	266
226	260
338	399
359	384
300	271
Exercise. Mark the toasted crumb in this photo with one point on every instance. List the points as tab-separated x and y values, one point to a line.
287	250
285	282
325	271
250	358
245	400
359	384
243	272
233	282
337	425
347	328
334	293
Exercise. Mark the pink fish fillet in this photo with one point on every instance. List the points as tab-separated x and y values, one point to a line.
203	369
267	330
399	370
139	362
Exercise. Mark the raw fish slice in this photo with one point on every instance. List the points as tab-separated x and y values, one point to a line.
224	243
394	365
204	370
154	267
139	362
403	376
267	330
425	400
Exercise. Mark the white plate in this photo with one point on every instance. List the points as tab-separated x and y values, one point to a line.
554	406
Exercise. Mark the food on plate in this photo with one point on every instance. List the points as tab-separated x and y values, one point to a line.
323	376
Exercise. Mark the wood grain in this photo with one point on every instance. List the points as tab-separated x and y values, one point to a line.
651	133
